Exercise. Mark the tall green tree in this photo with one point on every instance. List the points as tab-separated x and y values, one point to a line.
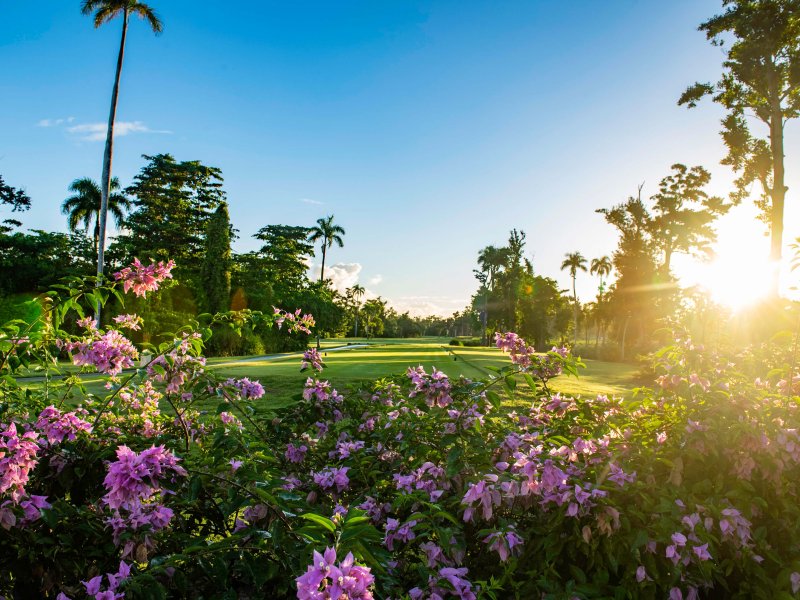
683	214
173	202
574	262
330	233
285	256
215	274
355	293
760	83
17	199
102	12
83	207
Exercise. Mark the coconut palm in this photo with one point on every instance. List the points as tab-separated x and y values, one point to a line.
329	233
574	261
104	11
83	207
602	268
356	293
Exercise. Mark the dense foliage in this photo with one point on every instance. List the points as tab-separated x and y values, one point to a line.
175	483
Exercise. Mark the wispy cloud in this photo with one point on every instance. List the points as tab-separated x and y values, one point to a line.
423	306
375	280
54	122
310	201
95	132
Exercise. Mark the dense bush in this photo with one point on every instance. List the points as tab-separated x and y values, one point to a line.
174	483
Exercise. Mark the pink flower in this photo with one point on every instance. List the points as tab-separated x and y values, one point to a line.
702	552
345	580
641	574
143	279
108	353
235	464
311	358
132	322
794	578
661	437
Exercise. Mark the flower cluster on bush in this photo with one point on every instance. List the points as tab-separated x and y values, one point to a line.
191	485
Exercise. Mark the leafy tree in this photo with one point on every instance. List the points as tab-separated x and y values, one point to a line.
761	80
285	253
354	294
574	262
683	214
31	261
215	275
104	11
173	202
330	233
373	314
83	207
17	199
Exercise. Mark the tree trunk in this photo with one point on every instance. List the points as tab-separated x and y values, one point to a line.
322	270
575	312
356	332
105	180
778	192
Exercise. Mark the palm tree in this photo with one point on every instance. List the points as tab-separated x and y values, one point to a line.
103	12
329	233
602	268
84	206
574	261
356	293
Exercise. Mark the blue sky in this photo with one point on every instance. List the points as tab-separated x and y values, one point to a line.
429	129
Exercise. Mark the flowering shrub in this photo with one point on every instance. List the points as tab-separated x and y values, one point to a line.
177	483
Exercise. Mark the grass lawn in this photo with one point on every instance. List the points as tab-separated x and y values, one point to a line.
281	377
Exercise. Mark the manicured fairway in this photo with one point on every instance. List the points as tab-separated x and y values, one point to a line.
369	360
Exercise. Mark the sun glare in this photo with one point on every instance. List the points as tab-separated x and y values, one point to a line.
739	275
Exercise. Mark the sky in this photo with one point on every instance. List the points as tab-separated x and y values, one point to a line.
429	129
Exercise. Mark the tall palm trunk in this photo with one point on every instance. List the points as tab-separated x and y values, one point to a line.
105	180
575	311
322	271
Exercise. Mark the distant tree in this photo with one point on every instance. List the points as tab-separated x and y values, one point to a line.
173	201
83	207
104	11
762	81
373	314
330	233
574	262
285	253
355	293
215	274
17	199
683	214
602	268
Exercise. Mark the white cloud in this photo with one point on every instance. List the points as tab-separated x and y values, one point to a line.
95	132
310	201
424	306
54	122
342	275
375	280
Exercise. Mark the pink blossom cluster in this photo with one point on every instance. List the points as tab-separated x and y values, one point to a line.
57	426
322	391
324	580
178	366
451	582
311	358
505	543
395	530
141	404
428	478
134	489
331	477
434	388
296	454
18	457
231	419
295	321
109	353
544	367
247	390
345	447
94	585
142	279
132	322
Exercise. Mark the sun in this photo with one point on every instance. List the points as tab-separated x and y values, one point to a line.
740	274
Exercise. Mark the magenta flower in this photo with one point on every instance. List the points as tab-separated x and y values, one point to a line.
339	582
702	552
311	358
331	477
132	322
142	279
108	353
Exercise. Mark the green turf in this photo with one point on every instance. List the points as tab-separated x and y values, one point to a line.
281	377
